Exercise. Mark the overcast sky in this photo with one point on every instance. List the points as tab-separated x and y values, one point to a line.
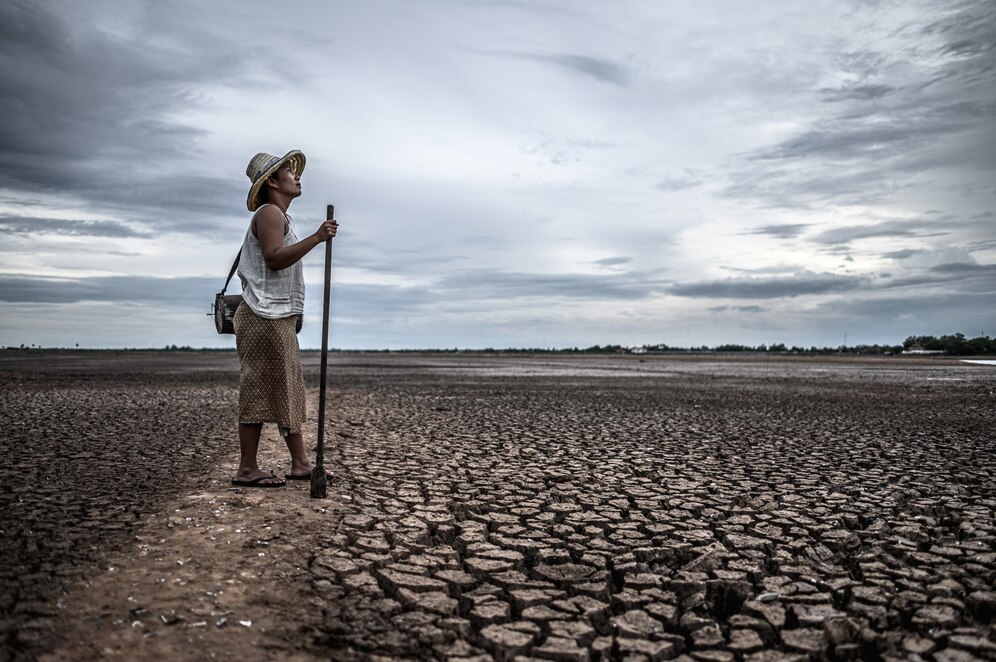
507	173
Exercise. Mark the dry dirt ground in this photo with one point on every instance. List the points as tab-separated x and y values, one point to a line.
498	508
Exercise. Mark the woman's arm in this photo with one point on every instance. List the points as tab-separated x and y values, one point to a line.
270	226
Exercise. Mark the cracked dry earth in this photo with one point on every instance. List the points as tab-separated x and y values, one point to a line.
520	508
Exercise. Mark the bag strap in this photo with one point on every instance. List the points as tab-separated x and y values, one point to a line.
235	265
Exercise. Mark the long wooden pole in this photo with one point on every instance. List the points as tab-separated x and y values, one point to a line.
319	479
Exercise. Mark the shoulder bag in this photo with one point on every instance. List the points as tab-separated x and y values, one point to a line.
225	305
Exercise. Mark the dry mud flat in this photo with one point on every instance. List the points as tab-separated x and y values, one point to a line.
527	508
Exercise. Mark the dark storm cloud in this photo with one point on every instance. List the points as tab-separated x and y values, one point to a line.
793	188
901	254
943	313
965	269
600	69
612	261
109	289
87	111
363	254
956	277
970	32
780	231
492	284
27	225
176	202
770	288
895	121
837	142
196	294
982	245
781	269
849	233
877	137
857	92
529	6
461	289
737	309
481	289
677	183
371	302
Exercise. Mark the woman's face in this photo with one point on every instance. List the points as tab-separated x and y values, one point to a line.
287	182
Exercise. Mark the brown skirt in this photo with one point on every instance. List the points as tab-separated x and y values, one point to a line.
271	385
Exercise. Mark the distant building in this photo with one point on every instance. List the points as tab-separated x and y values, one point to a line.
917	349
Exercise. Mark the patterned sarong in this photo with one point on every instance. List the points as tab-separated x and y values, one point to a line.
271	385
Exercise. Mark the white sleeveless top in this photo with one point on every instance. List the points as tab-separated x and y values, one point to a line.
270	294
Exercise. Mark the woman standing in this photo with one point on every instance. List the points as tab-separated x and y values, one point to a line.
271	384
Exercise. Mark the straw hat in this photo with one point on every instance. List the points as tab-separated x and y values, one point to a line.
263	165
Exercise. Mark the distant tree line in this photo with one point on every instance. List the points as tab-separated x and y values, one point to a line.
954	344
776	348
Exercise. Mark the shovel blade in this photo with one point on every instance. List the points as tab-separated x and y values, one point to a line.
319	483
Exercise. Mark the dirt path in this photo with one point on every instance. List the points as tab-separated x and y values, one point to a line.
220	574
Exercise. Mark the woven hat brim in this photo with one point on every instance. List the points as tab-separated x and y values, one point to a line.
297	159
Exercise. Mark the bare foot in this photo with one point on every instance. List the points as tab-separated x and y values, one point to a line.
302	471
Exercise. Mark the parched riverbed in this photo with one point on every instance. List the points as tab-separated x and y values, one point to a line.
491	507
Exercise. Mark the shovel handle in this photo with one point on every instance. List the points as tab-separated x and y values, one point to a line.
318	488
